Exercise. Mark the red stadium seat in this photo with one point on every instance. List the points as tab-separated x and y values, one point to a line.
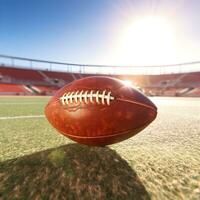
13	89
21	74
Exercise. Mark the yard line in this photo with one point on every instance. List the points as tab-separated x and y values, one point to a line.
22	117
21	103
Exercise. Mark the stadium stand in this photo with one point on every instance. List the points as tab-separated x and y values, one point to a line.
191	79
193	93
59	76
20	81
44	90
21	74
13	89
181	79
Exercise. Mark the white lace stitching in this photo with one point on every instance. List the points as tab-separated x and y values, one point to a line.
88	97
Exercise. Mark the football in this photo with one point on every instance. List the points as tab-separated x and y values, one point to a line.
99	111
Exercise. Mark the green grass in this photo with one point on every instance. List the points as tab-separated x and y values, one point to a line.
19	137
12	106
162	162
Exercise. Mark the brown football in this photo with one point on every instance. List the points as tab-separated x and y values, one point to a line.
99	111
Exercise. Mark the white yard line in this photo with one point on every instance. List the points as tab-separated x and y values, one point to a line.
22	117
21	103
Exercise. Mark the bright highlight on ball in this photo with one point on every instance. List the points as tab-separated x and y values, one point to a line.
128	83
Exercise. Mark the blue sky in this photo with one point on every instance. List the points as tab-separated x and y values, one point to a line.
89	31
74	31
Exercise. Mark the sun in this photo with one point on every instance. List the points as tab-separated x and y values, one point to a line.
147	41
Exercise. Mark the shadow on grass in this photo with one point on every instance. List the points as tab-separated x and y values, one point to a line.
70	172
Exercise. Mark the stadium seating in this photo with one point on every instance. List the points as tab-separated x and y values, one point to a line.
173	91
21	74
44	90
12	89
59	75
190	78
163	79
194	93
40	82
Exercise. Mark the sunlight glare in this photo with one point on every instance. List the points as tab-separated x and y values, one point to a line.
147	41
128	83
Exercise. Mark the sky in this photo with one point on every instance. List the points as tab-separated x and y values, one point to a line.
104	32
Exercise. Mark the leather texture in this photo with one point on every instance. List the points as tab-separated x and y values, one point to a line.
94	117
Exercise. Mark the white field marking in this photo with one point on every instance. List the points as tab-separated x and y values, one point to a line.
21	103
22	117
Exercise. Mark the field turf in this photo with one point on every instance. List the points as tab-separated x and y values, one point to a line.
162	162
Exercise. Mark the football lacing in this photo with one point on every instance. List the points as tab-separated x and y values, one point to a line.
88	97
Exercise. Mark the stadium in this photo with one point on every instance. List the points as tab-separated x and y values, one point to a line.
161	162
169	169
29	79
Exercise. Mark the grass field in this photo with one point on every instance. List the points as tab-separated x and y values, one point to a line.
162	162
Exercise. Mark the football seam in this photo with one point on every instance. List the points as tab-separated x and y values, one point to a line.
68	97
138	103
